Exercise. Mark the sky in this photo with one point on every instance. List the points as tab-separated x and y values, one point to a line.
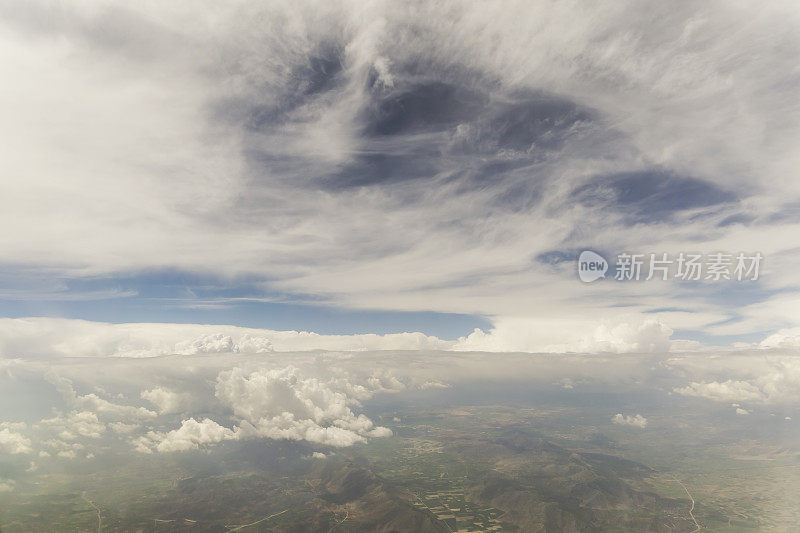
374	167
240	221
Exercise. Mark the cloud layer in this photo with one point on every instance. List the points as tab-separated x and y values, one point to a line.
449	157
70	407
48	337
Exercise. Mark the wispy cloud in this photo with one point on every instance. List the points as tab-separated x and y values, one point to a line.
401	157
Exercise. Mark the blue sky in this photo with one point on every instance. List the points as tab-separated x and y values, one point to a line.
185	297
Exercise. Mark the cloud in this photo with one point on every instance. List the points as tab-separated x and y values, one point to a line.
166	400
569	336
47	337
493	134
274	404
281	404
785	338
195	401
13	442
635	421
772	381
112	411
76	424
723	391
93	403
121	428
254	344
433	384
62	449
31	337
220	343
213	343
190	436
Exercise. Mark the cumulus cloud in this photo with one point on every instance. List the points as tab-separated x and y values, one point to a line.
636	420
190	436
75	424
121	428
32	337
197	401
62	449
45	337
785	338
265	403
433	384
249	343
112	410
282	404
726	391
772	381
526	335
12	441
213	343
98	406
167	401
221	343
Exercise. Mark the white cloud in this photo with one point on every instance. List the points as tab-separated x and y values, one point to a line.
75	424
275	403
121	428
281	404
7	485
249	343
32	337
212	343
95	404
775	380
322	397
785	338
636	421
433	384
530	335
62	449
12	441
727	391
190	436
166	400
740	411
112	411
